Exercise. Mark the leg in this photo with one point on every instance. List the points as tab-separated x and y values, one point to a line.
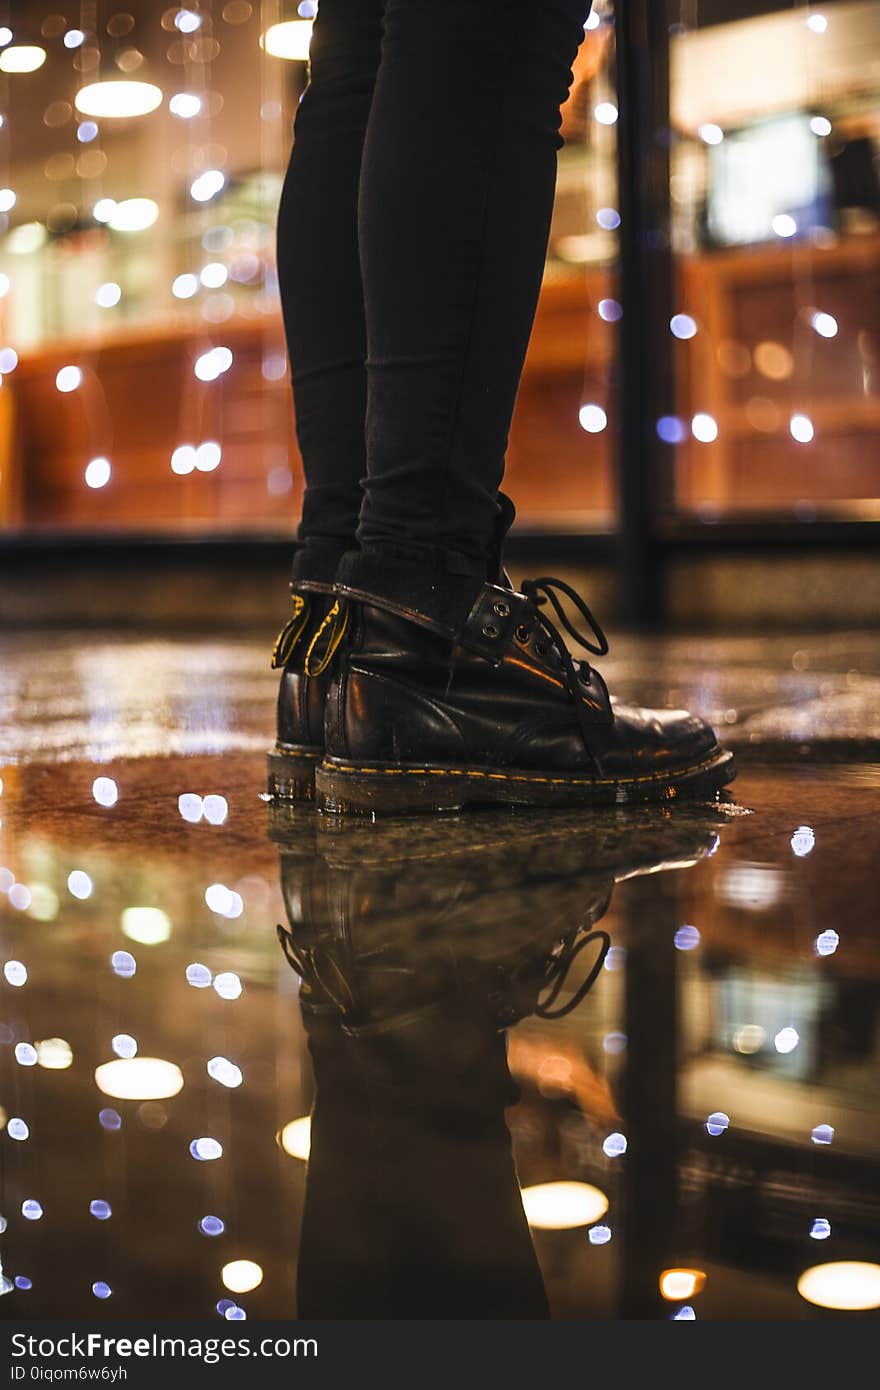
457	185
319	272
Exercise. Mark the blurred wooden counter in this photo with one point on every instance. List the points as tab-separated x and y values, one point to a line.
754	362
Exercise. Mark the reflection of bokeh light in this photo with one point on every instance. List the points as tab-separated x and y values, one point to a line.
216	809
717	1123
817	22
616	958
801	428
613	1043
97	473
189	804
784	225
139	1078
749	1038
198	975
25	1054
17	1129
147	925
185	105
134	215
851	1284
710	133
608	219
802	841
820	125
224	1071
592	418
820	1229
206	1149
773	361
614	1145
677	1284
105	791
599	1235
31	1209
205	186
20	896
213	363
288	39
124	1045
682	326
235	1314
296	1137
23	1282
671	430
687	938
124	964
213	275
752	886
100	1209
823	1134
786	1040
704	427
54	1054
558	1206
184	286
101	1290
824	324
68	378
15	972
605	112
118	99
211	1226
684	1314
610	310
79	884
240	1276
110	1119
826	942
228	985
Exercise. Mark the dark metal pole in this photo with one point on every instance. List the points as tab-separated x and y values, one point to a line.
646	385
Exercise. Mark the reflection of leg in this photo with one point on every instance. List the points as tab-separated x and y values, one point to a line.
457	187
412	1202
318	266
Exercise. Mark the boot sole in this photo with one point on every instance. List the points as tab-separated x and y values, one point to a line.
291	772
342	786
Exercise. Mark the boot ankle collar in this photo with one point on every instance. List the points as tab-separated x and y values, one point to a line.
462	608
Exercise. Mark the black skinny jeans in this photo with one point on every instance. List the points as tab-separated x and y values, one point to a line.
412	234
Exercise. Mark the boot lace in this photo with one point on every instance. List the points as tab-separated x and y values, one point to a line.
543	591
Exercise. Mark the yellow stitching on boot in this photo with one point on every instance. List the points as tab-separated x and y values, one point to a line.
335	638
291	632
347	769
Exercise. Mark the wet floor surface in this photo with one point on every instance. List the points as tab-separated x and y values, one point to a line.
412	1101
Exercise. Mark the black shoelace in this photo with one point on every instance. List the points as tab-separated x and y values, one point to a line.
558	967
539	592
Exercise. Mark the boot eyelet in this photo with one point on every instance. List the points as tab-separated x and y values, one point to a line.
522	633
491	630
540	649
501	609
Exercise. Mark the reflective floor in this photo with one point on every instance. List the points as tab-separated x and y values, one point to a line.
607	1065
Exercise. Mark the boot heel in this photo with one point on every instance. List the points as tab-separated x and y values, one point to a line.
291	776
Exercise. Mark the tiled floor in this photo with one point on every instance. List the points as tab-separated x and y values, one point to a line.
712	1101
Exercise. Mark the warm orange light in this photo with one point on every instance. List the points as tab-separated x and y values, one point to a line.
680	1284
851	1284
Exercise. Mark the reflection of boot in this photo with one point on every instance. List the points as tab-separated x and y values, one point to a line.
415	953
450	691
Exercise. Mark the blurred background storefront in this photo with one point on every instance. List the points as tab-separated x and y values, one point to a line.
145	410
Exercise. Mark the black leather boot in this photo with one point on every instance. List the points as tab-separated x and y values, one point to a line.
449	691
299	746
304	649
